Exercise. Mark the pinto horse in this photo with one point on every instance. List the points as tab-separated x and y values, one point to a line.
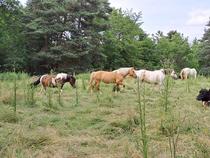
55	81
106	77
62	78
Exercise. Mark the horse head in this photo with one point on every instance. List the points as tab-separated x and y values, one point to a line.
174	75
170	72
72	80
131	72
204	95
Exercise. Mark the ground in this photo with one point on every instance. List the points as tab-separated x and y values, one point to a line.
82	125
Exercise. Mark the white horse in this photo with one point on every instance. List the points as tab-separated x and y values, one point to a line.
126	71
139	73
154	77
174	75
188	73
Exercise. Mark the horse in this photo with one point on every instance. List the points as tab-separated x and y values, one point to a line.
62	78
204	96
188	73
126	71
174	75
55	80
156	76
161	72
106	77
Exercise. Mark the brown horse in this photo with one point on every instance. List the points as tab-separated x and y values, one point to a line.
126	71
106	77
55	80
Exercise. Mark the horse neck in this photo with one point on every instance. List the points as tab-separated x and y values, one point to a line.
125	73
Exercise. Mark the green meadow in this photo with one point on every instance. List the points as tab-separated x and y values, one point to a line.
78	124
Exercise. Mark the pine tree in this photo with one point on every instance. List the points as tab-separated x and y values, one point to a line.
65	34
204	53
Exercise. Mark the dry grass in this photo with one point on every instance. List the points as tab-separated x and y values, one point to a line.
101	126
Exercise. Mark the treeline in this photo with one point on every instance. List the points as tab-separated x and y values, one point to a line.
83	35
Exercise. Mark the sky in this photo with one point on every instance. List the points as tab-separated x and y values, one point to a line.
186	16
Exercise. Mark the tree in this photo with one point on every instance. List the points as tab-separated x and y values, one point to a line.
65	35
125	43
204	52
173	47
12	52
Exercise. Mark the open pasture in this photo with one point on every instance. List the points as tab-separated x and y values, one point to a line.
77	124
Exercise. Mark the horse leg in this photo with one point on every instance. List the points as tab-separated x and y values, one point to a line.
61	88
43	87
97	84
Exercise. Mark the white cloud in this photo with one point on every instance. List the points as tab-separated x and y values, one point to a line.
198	17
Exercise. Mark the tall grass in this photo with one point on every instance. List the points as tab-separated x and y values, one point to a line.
9	76
60	102
166	91
15	94
188	82
29	95
49	98
170	126
142	116
83	84
76	96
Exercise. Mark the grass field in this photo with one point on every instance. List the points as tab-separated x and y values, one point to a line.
103	125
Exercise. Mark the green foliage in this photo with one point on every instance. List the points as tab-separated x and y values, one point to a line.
204	51
125	42
174	47
12	51
83	35
64	33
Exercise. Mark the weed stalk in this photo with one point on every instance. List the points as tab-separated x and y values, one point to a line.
142	109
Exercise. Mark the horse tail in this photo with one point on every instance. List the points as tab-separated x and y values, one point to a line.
35	83
91	78
182	75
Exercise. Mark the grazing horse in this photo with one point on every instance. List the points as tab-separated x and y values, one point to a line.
187	73
156	76
174	75
55	81
204	96
62	78
126	71
106	77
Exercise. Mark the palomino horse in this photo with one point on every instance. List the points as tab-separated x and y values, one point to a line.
187	73
55	81
126	71
106	77
155	77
